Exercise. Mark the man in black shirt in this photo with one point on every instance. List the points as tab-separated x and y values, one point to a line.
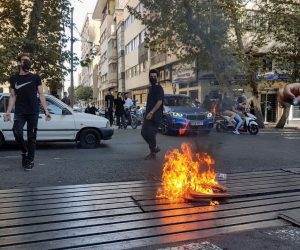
24	87
154	113
93	110
109	106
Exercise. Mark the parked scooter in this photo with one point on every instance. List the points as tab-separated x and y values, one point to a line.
249	124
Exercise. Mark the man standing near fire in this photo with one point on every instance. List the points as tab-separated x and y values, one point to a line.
154	113
24	87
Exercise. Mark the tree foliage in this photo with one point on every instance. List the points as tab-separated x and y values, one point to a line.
83	93
225	36
284	27
38	27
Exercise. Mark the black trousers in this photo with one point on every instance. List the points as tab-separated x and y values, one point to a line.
121	120
149	131
19	123
109	116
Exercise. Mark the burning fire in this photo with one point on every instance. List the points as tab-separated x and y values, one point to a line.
184	172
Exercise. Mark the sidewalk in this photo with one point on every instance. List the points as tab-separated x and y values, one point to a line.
129	215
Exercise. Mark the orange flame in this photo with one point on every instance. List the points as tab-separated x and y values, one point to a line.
183	130
185	171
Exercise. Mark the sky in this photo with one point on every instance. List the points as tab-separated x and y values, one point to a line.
81	8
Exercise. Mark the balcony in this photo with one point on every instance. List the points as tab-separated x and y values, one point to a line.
112	77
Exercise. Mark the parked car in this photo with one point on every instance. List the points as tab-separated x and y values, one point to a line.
182	112
78	109
65	125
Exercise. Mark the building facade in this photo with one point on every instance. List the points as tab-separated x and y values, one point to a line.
125	62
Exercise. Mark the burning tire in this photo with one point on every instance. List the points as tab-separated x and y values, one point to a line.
253	129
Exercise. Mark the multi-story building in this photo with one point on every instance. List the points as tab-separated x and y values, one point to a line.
110	13
88	38
125	63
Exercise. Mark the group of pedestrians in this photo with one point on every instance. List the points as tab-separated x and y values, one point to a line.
120	106
25	86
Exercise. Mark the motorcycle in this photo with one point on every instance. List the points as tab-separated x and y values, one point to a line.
249	124
131	118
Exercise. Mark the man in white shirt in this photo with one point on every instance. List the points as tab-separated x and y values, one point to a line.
128	102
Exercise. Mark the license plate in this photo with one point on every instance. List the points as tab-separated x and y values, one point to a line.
196	123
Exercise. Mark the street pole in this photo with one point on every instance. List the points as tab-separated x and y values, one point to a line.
72	60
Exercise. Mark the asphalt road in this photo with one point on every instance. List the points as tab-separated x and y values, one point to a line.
122	158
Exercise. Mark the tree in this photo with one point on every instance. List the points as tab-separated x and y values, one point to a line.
83	93
206	31
284	20
42	35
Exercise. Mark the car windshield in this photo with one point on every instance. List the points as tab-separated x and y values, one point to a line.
180	101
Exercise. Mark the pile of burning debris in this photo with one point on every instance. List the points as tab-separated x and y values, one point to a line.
189	176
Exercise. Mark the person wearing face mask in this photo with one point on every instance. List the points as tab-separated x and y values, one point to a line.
154	113
24	87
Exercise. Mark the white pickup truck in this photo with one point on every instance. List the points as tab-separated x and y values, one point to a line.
65	125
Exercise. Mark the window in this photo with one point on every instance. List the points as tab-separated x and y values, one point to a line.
167	74
2	105
183	85
52	108
193	84
162	75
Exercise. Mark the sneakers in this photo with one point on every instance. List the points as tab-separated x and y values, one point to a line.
150	156
156	150
236	132
29	165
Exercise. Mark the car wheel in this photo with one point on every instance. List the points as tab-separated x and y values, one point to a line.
1	140
165	127
89	138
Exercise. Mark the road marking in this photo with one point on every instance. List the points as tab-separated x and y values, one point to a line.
290	234
194	246
9	156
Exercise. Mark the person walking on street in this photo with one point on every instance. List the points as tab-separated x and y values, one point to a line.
109	106
24	87
154	113
120	112
66	99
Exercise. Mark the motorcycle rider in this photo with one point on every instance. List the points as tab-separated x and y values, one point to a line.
239	108
127	105
229	109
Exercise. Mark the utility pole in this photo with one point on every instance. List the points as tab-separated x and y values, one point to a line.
72	60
